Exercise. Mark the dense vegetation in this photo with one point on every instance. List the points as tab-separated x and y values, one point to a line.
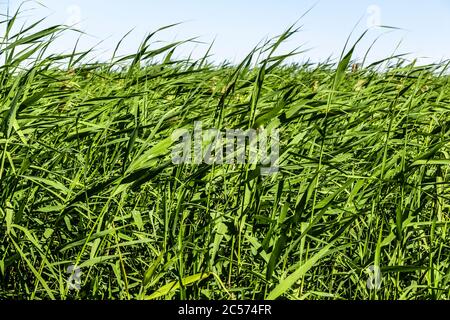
86	176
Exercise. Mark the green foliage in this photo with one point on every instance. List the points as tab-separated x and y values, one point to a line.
86	176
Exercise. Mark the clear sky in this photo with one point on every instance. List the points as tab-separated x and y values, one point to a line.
237	26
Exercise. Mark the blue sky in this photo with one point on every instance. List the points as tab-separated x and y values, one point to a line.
237	26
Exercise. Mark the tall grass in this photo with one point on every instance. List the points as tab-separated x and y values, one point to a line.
86	176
